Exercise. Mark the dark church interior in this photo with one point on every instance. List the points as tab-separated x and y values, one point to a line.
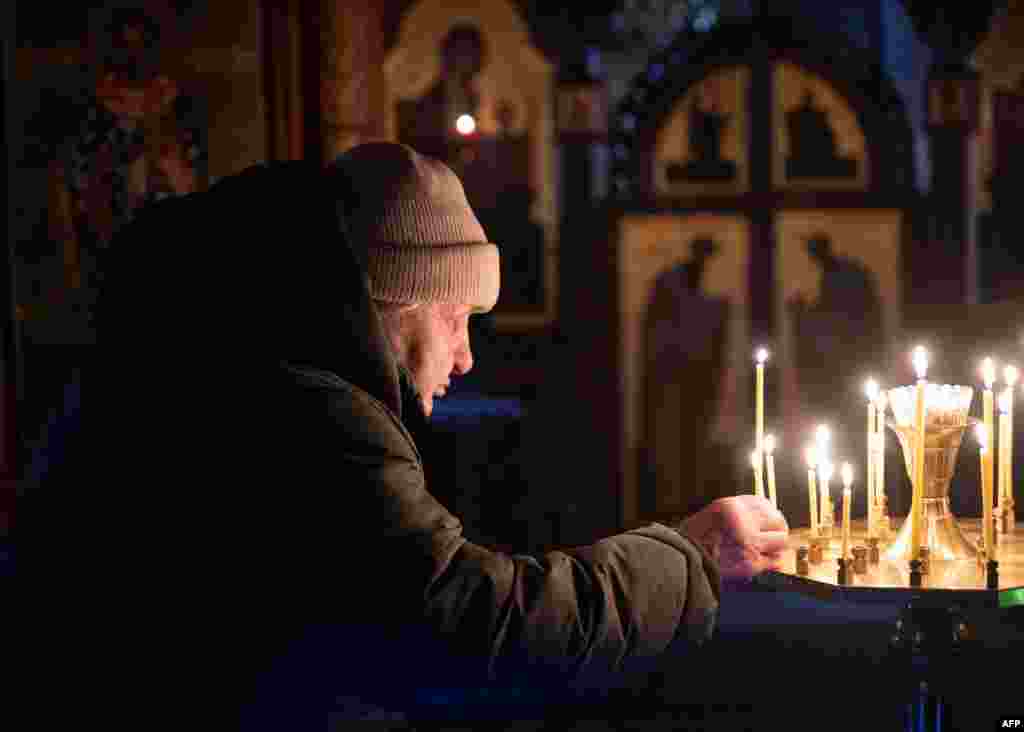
671	185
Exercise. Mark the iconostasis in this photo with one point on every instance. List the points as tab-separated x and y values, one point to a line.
759	212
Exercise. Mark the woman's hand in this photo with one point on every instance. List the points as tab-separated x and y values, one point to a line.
745	535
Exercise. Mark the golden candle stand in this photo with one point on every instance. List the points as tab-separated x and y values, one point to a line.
935	623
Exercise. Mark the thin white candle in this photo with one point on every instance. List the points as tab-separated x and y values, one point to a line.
883	402
761	356
847	472
917	503
988	375
1010	374
769	448
811	456
871	390
755	463
1004	439
986	489
824	476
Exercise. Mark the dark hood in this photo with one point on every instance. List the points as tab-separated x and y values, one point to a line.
253	272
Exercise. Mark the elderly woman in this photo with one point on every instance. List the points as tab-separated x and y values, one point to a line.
267	540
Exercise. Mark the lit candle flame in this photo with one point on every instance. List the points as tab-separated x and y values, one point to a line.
988	372
811	456
847	471
871	389
982	434
465	124
1010	374
761	355
822	435
825	470
920	362
1004	401
769	444
755	460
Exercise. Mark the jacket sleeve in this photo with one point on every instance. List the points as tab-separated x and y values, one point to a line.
612	606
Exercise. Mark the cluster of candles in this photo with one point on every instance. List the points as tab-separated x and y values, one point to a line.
820	465
818	459
942	399
985	434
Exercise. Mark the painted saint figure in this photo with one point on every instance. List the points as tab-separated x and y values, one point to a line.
846	324
813	145
138	140
682	462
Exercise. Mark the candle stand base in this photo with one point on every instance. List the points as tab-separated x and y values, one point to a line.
941	532
874	555
817	551
803	567
925	557
949	620
942	535
1006	518
860	559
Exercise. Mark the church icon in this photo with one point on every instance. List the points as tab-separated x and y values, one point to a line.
812	145
706	127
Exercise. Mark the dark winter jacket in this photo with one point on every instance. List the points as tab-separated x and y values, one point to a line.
245	523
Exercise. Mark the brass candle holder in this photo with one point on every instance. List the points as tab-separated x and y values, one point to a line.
1005	515
803	566
945	424
874	555
816	555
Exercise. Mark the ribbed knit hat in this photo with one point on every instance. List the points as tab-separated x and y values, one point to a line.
408	216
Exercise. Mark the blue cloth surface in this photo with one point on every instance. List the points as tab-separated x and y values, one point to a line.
753	610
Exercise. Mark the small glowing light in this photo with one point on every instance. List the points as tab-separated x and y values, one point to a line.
769	444
465	124
1010	374
871	389
982	434
988	372
1004	401
920	362
811	456
847	475
822	436
825	470
761	355
755	460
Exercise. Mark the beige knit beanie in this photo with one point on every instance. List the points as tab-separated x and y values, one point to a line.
408	217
